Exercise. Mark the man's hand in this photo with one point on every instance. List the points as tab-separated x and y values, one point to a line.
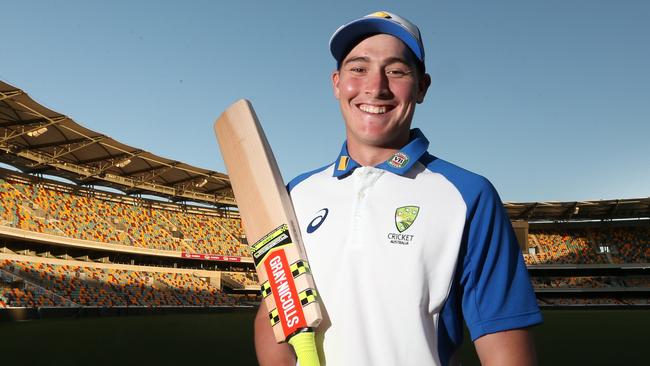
269	352
508	348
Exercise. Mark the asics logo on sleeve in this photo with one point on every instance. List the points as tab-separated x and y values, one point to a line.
317	221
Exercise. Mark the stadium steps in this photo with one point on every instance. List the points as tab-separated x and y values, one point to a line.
39	287
187	246
6	250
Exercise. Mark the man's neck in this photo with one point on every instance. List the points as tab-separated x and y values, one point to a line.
372	159
370	155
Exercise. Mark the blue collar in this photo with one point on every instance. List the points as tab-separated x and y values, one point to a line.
399	163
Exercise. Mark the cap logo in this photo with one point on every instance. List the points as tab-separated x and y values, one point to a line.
381	14
399	160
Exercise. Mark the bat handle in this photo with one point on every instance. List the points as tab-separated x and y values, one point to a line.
304	344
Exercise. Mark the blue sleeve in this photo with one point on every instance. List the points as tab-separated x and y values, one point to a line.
496	291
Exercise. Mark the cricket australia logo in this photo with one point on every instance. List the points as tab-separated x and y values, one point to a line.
404	217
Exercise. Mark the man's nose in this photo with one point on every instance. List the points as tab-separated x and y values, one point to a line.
377	85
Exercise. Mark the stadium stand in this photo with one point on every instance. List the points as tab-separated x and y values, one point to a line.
591	282
243	278
589	246
38	205
16	292
577	301
75	283
590	263
57	209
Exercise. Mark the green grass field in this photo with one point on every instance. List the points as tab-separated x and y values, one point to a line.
568	337
588	337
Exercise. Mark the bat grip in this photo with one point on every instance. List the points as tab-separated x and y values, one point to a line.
304	344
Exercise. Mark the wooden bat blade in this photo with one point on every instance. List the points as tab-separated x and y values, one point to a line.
269	222
253	171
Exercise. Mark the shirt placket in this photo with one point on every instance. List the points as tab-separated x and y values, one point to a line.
364	180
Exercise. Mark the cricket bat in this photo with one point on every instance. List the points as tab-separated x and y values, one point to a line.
271	229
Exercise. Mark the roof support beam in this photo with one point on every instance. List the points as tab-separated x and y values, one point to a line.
24	122
55	143
15	134
150	178
155	161
10	94
127	183
219	190
571	210
612	211
72	148
184	180
105	158
528	213
113	161
146	170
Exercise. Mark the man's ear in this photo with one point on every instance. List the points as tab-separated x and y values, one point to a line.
423	86
335	83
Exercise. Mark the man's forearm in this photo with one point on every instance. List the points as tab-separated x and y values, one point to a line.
508	348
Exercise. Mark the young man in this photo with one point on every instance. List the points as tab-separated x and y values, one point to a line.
403	246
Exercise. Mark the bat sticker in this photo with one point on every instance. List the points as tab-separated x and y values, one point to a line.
274	239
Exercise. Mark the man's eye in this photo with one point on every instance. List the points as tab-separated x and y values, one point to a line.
397	72
357	69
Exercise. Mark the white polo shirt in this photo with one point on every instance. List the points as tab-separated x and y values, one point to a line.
402	252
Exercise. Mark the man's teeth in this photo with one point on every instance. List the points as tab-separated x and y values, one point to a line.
372	109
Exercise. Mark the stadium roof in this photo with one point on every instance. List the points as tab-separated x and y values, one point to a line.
637	208
37	140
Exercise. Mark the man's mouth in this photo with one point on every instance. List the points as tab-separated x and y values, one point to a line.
374	109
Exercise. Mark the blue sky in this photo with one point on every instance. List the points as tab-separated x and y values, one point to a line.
548	99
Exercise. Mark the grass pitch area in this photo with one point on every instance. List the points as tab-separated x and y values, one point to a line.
189	339
568	337
588	337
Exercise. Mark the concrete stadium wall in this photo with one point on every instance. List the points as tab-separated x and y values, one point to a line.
21	314
70	262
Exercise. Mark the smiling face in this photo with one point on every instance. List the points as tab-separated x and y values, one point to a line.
378	87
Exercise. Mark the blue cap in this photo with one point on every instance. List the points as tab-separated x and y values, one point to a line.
380	22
